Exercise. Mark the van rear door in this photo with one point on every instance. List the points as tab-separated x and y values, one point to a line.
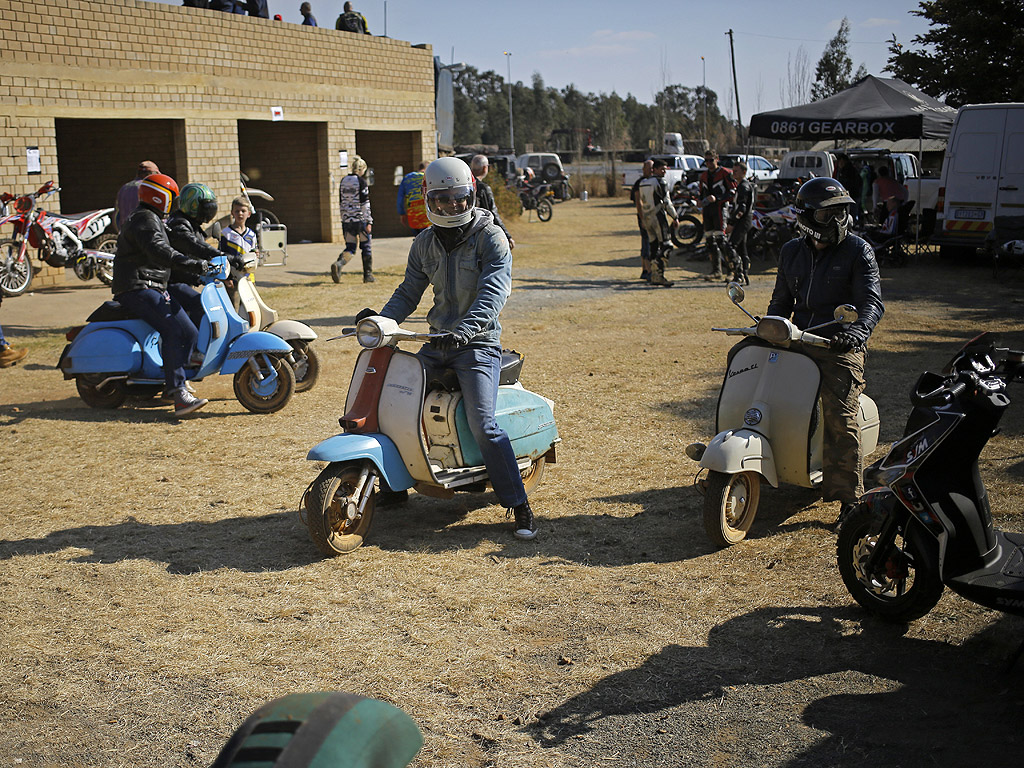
1010	201
972	175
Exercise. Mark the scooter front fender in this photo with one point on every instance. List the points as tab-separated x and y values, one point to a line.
741	450
291	330
253	343
374	446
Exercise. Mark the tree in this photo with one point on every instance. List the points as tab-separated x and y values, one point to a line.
970	55
834	67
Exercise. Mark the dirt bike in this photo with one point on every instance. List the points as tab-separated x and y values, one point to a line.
768	232
76	240
689	230
927	523
537	198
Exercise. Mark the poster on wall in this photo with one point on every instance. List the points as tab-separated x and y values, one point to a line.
277	113
32	160
343	158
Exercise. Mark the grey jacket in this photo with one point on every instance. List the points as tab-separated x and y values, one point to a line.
471	284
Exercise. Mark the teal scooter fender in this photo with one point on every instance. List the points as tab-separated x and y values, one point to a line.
374	446
253	343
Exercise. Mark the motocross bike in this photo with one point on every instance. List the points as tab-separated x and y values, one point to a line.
76	240
768	232
927	524
689	229
537	198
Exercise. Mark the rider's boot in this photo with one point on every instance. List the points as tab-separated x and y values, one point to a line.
658	273
10	356
368	267
343	258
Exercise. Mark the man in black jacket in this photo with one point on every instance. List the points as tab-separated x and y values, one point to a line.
818	272
480	166
197	204
142	267
741	218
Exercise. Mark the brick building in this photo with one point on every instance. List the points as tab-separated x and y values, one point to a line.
98	85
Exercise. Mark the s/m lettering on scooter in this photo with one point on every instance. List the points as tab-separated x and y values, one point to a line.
1005	601
407	391
742	370
917	450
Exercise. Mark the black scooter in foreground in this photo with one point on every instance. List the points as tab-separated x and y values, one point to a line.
927	522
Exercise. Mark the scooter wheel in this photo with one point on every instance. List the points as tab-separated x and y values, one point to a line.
328	503
307	365
905	587
108	396
269	394
730	504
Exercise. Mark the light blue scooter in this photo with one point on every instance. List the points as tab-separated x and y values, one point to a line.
405	432
116	354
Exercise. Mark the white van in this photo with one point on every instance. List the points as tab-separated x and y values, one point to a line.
982	173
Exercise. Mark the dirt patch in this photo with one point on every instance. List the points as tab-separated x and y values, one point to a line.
157	586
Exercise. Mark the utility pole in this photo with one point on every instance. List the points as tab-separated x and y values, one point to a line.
511	129
704	134
736	87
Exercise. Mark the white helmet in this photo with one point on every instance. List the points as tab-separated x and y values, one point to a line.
449	190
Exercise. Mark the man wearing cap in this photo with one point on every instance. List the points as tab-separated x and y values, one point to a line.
128	195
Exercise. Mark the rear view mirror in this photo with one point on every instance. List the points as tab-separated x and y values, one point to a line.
846	314
736	293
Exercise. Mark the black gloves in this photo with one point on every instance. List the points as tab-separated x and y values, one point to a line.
446	340
199	266
365	313
844	341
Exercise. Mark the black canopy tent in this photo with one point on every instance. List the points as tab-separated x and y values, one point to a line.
871	108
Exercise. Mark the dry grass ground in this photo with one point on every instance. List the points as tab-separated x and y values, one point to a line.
156	585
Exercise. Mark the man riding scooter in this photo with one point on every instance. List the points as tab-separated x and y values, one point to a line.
825	268
197	204
142	267
466	258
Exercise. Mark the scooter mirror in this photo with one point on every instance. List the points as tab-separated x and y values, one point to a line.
736	293
846	313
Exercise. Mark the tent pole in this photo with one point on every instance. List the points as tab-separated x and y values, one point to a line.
920	208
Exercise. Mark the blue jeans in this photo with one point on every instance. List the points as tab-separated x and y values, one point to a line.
478	369
178	334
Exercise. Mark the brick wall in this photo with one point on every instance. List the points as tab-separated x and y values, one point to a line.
102	70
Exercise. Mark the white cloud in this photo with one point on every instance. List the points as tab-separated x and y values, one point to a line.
630	35
876	22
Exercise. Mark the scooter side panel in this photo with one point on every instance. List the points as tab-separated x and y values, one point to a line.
525	416
249	344
399	412
774	392
374	446
291	330
742	450
107	348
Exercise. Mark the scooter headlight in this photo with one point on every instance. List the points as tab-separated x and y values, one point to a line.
774	329
369	334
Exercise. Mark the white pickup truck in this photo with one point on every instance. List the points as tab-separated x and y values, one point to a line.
675	173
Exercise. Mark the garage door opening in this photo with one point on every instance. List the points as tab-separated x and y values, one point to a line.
384	152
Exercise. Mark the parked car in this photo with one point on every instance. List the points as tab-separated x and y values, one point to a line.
547	166
758	168
675	173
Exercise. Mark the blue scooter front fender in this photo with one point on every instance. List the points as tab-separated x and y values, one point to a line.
253	343
374	446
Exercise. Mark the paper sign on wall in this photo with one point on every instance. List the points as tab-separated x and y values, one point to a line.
343	158
32	160
277	113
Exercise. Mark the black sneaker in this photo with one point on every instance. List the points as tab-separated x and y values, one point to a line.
525	527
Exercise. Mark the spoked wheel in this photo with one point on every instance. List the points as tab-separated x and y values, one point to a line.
333	515
15	270
730	504
544	209
263	216
904	587
105	269
533	474
688	232
307	365
96	394
269	390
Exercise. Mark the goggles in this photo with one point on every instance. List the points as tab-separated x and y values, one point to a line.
450	201
830	213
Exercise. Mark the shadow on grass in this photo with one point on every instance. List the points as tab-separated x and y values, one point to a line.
136	410
761	668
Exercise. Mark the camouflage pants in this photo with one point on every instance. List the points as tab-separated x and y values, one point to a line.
842	381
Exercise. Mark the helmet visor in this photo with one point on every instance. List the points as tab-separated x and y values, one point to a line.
830	213
451	201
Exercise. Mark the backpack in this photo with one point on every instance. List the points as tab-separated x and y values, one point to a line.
350	22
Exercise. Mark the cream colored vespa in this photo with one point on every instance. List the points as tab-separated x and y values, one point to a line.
768	421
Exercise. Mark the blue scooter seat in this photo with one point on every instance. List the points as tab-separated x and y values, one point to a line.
511	367
110	311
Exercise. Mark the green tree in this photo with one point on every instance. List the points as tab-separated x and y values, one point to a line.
971	53
835	66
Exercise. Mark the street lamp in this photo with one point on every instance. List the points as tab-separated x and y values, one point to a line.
511	129
704	65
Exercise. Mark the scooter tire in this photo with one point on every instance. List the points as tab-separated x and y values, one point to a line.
246	386
730	504
307	365
108	397
326	502
15	275
533	474
909	594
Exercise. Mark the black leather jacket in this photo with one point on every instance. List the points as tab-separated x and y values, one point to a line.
144	255
187	236
810	284
741	213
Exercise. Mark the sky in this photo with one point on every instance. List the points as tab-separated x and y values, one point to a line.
602	46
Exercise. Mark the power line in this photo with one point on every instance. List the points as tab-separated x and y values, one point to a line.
807	40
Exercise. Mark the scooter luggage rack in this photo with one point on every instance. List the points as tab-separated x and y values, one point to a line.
271	238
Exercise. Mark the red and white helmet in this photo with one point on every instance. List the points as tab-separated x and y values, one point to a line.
158	191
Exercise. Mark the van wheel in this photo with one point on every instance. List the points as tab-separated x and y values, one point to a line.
550	172
730	504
